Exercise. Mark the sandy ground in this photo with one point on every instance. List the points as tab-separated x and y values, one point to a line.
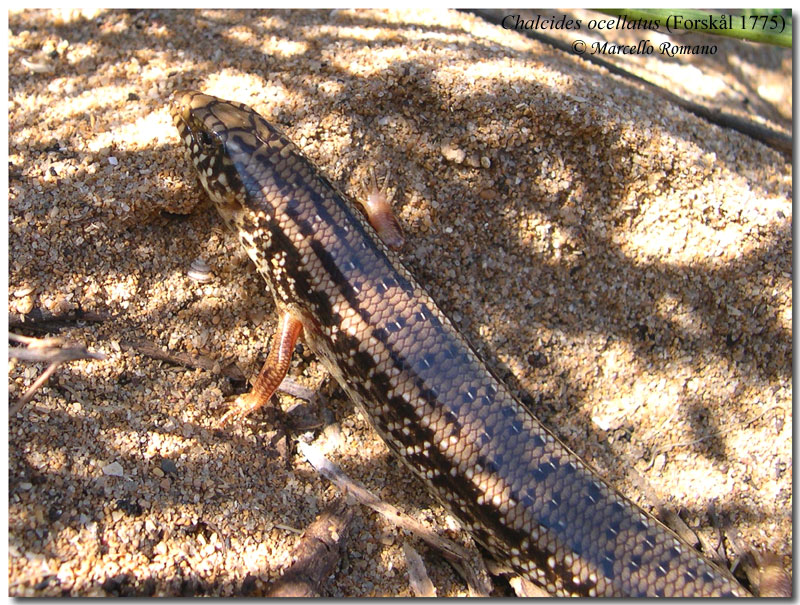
624	265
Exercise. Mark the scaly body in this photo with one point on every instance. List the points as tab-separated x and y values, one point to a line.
520	492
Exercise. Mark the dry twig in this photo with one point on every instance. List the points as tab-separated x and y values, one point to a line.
52	350
317	554
40	321
417	574
148	349
672	446
459	557
186	360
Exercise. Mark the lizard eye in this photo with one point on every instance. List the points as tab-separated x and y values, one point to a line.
205	139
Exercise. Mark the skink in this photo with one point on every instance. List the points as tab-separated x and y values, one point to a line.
515	486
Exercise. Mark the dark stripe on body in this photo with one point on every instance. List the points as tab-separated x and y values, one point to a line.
567	505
